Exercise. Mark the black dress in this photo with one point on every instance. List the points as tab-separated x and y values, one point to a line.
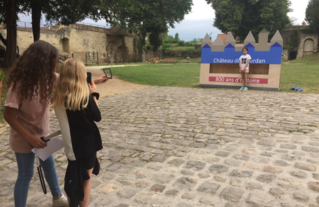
82	140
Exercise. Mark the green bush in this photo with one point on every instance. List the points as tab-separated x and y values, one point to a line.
1	75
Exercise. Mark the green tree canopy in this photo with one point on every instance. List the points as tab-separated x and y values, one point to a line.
141	16
148	17
312	15
242	16
176	37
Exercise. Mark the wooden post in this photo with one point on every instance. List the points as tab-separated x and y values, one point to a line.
97	56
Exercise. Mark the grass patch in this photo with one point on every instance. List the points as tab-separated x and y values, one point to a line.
300	74
181	75
307	59
187	75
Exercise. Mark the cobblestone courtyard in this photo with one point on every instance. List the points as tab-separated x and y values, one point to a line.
183	147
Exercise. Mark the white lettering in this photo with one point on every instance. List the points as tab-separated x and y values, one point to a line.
258	61
221	60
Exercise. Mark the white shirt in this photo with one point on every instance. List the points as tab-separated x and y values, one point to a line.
243	60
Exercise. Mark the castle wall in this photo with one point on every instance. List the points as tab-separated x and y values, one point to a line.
84	41
79	40
25	39
303	50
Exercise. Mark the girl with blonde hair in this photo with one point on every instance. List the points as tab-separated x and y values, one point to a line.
75	105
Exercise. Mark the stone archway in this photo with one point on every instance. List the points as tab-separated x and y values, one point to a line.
65	45
309	46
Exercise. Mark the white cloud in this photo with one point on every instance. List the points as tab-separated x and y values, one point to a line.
190	29
200	10
299	10
204	12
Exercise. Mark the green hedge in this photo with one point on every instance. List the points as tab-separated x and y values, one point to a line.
1	75
182	51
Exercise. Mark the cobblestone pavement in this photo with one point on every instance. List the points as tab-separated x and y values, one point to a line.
183	147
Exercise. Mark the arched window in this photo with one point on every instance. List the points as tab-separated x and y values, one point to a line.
309	45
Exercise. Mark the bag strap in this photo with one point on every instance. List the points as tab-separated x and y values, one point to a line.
39	168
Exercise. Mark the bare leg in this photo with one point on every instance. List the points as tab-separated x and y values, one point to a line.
87	190
245	77
242	78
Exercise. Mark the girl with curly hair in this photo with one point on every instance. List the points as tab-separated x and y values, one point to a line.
30	84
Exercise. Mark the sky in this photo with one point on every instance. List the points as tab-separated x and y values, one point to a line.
200	20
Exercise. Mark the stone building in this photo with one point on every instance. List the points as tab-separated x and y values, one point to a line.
303	42
88	43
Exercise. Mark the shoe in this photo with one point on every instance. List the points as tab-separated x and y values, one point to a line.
293	88
245	89
242	88
296	88
300	89
61	202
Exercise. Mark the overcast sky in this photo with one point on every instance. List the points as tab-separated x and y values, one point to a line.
200	21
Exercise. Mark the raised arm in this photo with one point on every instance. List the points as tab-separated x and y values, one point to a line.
101	79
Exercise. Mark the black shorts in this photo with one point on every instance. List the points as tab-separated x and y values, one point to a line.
89	161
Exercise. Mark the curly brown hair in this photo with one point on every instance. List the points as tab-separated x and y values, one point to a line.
34	71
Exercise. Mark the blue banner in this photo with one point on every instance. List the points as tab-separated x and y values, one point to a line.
230	56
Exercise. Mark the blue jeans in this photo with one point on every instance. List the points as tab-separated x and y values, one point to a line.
25	163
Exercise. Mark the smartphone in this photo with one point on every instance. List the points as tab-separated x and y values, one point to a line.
89	77
107	72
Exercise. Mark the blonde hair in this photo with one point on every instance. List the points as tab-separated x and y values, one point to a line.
72	92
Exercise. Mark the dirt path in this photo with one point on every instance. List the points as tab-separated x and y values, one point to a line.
113	86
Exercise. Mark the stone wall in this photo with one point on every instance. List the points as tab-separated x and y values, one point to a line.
81	40
307	43
25	38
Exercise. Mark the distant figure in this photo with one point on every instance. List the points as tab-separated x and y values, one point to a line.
244	61
188	59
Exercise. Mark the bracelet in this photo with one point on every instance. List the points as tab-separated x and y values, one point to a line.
96	95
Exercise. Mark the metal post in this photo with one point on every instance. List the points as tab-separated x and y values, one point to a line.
97	56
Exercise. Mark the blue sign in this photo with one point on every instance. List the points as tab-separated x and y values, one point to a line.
230	56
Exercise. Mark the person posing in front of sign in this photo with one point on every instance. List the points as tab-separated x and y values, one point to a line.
244	61
75	105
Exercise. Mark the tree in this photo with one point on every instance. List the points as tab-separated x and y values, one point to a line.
149	17
140	16
176	37
62	11
312	16
242	16
10	18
